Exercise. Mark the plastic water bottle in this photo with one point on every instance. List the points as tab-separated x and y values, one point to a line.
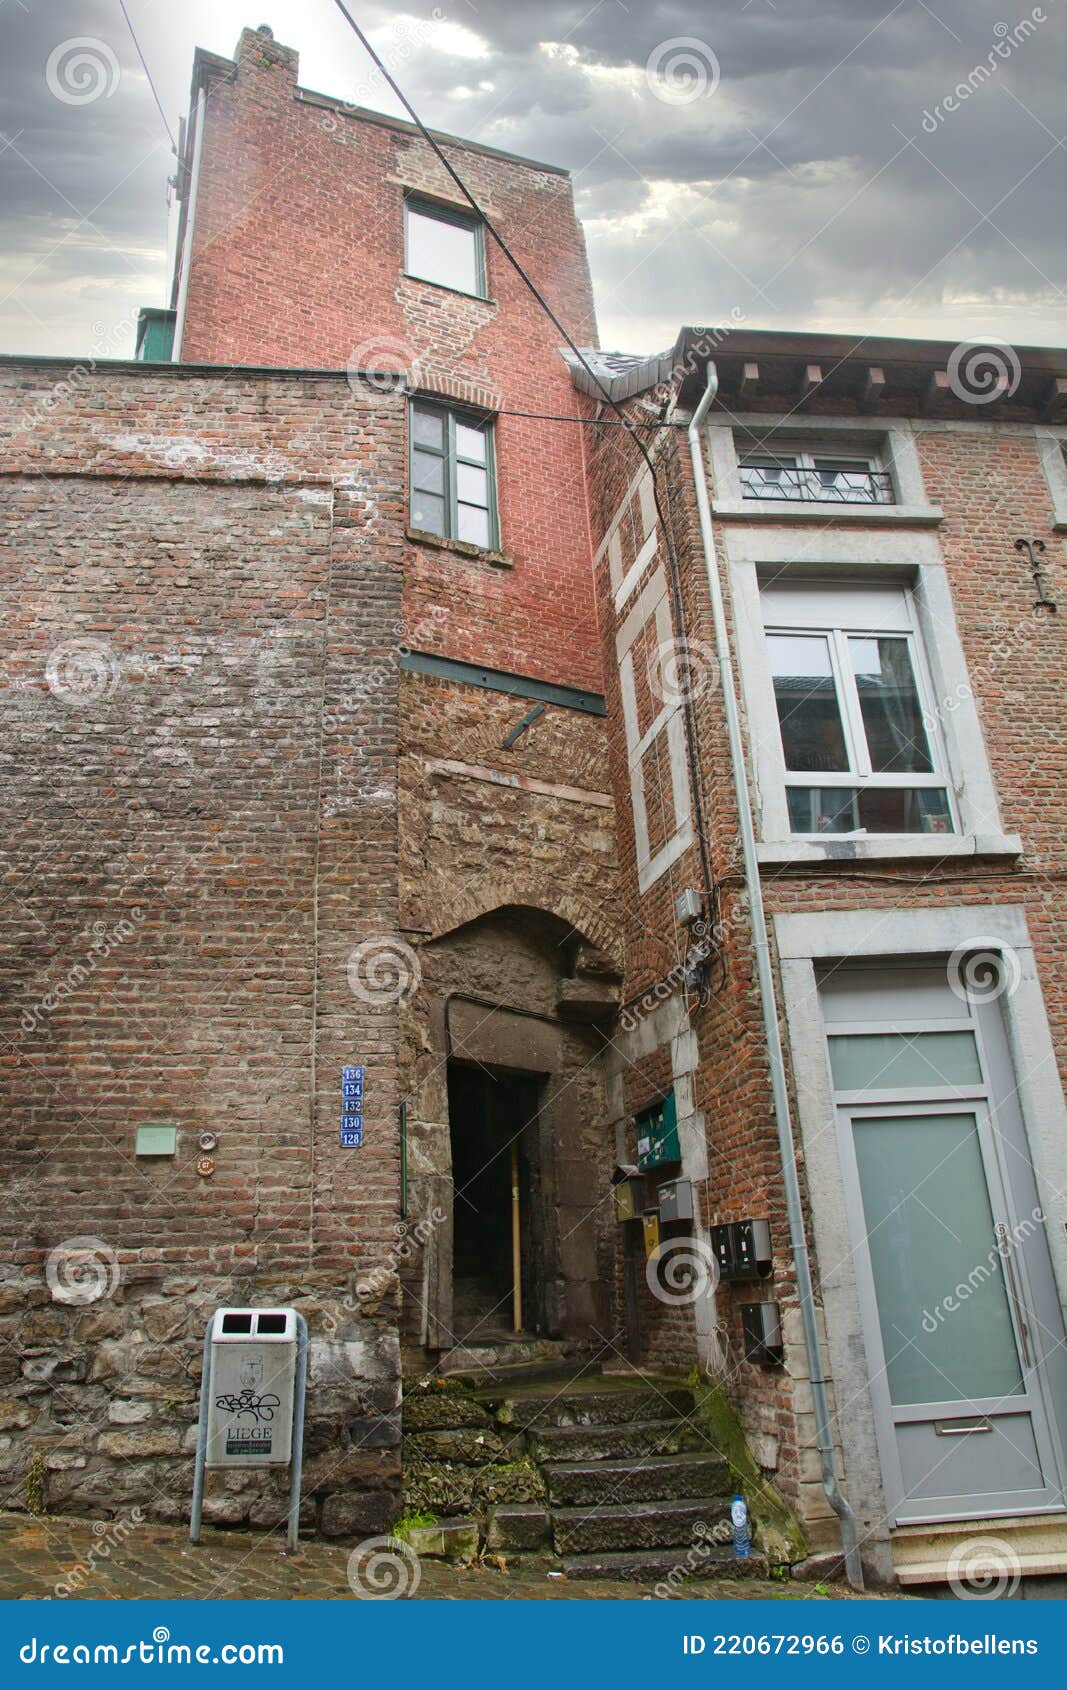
739	1516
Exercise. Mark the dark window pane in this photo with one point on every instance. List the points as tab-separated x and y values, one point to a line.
897	809
442	251
808	712
429	427
473	524
889	701
428	512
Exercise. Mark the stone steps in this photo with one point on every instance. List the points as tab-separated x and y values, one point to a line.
641	1438
594	1406
641	1479
673	1567
642	1525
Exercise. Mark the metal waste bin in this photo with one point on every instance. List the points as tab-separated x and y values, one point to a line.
252	1397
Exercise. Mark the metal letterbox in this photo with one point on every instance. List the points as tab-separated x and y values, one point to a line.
629	1194
676	1200
657	1134
742	1249
650	1223
761	1329
252	1356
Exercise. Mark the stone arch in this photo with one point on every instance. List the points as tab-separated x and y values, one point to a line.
490	896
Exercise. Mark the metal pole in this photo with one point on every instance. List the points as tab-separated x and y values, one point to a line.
201	1442
296	1466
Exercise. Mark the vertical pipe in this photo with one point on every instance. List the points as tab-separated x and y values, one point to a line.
768	1002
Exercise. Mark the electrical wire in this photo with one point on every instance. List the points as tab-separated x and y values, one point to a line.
692	739
148	74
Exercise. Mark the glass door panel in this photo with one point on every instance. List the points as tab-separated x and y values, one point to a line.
938	1278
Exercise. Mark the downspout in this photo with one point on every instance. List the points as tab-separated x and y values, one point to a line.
782	1113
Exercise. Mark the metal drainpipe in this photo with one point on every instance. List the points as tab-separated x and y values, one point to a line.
782	1114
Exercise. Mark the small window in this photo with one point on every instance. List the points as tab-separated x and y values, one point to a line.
452	477
816	477
858	743
444	246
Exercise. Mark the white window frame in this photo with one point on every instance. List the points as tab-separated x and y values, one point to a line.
878	557
653	606
804	459
893	445
1052	445
859	776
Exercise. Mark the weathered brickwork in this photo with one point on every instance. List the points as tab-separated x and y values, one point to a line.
296	257
989	481
204	575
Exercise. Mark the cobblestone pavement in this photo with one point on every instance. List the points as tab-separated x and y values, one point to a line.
61	1557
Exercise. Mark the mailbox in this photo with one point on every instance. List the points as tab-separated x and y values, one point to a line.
651	1225
761	1330
676	1200
252	1366
629	1197
657	1134
742	1249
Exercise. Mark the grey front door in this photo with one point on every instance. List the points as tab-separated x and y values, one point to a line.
962	1326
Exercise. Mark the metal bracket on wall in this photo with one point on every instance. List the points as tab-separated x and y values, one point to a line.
1035	550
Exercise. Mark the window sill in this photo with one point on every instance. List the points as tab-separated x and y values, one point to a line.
1059	520
461	548
444	287
778	853
795	510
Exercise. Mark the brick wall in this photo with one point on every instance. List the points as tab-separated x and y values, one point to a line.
991	486
203	575
296	258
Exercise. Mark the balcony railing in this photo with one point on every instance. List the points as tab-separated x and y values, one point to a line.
817	486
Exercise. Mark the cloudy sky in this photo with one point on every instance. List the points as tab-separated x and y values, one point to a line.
795	161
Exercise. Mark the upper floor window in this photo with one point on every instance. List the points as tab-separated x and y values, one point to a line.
857	736
816	477
453	491
444	246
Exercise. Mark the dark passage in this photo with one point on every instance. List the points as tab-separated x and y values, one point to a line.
487	1111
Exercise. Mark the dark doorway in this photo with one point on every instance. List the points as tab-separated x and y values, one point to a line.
494	1127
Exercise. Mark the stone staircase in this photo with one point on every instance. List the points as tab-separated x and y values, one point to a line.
623	1481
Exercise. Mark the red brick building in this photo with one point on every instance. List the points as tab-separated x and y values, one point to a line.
853	530
375	707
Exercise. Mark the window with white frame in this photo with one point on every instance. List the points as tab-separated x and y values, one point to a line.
814	475
445	246
859	745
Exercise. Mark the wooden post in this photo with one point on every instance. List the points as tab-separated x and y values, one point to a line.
516	1240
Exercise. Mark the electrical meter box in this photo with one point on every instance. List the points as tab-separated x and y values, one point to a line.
252	1355
657	1134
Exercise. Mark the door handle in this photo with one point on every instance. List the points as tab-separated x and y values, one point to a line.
1005	1253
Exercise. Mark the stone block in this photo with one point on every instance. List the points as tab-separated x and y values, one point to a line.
122	1413
358	1513
517	1526
448	1540
164	1320
145	1440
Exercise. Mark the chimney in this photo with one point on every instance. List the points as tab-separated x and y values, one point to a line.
259	55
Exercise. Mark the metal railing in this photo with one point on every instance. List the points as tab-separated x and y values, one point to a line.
817	486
